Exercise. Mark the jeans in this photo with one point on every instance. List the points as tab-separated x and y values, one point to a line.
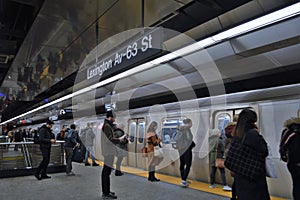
213	173
185	164
89	150
106	171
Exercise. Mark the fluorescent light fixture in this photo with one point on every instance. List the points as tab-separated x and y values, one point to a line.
260	22
263	21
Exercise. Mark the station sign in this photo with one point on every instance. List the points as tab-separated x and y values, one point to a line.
130	53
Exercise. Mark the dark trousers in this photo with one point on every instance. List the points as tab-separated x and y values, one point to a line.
213	173
69	155
185	164
295	173
118	163
42	169
106	171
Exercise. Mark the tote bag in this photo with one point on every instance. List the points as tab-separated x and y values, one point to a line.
244	160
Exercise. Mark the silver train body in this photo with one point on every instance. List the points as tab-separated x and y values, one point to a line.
273	106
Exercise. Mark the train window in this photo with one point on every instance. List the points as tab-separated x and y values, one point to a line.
222	120
141	132
169	127
132	130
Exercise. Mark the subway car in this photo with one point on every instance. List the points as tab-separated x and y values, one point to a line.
273	106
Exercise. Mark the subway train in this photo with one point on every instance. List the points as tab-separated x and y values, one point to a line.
273	106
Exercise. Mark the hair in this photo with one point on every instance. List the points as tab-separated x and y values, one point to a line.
246	121
187	121
235	118
152	126
73	126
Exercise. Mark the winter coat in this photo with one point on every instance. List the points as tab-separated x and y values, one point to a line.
248	189
72	139
108	141
45	136
216	152
293	145
89	137
152	141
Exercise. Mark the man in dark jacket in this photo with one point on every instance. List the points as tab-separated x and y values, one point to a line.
108	151
46	138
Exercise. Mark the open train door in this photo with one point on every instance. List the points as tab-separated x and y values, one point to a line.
136	133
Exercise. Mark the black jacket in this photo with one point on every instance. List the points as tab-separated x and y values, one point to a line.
45	136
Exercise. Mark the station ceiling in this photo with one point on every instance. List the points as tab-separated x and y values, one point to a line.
44	42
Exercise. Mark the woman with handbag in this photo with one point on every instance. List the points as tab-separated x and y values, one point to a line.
152	140
216	159
253	184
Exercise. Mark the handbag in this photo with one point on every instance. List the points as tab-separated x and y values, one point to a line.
144	151
220	162
243	160
158	152
78	155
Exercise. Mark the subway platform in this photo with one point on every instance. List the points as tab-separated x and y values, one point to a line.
86	185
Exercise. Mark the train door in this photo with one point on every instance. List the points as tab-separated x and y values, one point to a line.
137	134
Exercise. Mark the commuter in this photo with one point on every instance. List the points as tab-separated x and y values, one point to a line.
61	135
72	142
247	131
185	151
121	148
17	137
88	140
108	151
228	132
152	141
290	150
46	139
217	151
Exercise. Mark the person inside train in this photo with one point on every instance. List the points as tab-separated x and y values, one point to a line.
152	140
185	152
87	137
108	150
247	132
228	132
72	142
217	150
121	147
290	150
46	139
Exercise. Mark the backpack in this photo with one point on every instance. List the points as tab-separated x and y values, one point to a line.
286	136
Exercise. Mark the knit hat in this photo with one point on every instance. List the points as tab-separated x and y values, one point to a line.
110	114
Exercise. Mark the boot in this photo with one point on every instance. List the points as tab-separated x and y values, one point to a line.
154	179
119	173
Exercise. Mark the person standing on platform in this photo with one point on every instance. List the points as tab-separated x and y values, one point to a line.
88	140
152	141
108	142
290	150
46	139
246	132
217	151
185	153
121	148
72	142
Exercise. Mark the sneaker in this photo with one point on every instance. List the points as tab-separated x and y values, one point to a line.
212	186
184	184
227	188
95	164
45	176
119	173
109	196
71	174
